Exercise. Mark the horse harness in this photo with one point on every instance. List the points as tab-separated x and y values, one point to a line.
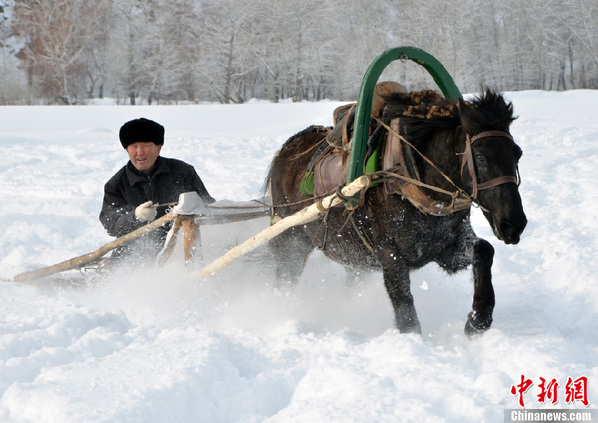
410	187
397	179
468	159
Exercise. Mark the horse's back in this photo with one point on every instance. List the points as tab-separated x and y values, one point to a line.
289	168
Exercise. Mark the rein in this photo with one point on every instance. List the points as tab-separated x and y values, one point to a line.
460	200
422	155
411	188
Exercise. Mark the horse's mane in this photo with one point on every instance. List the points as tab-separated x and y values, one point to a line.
490	110
424	112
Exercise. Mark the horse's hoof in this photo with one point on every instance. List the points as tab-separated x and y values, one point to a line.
416	329
477	323
410	326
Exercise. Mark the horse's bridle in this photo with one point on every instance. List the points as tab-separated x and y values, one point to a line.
468	159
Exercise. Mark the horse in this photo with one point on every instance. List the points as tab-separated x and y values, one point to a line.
452	146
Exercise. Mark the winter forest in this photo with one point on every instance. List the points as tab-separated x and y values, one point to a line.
230	51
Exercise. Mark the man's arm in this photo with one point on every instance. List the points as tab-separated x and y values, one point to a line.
117	216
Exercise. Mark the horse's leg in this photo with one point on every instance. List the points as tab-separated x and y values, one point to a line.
480	319
290	250
398	286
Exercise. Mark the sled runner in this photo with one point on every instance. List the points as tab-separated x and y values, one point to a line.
188	214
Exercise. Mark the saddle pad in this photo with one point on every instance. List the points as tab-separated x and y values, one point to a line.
393	155
328	173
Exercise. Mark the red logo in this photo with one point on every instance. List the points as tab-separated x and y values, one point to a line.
575	390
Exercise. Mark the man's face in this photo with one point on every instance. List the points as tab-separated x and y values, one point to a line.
143	155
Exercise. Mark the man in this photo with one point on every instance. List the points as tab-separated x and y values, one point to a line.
147	180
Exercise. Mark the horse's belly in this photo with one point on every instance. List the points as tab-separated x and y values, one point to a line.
407	235
344	247
353	256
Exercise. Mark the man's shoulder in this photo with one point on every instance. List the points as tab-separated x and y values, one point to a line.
118	176
176	165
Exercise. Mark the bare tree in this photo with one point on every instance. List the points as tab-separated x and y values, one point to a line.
57	38
159	51
10	83
581	25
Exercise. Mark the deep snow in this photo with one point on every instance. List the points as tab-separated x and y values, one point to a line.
160	347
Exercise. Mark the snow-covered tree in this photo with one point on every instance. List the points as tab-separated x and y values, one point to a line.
58	39
158	51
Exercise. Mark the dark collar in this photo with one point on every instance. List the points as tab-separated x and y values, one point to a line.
135	176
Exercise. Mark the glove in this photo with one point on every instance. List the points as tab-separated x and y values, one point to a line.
145	212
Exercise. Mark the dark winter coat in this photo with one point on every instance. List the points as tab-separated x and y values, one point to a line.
129	188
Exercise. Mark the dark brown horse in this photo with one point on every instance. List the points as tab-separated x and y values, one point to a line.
471	148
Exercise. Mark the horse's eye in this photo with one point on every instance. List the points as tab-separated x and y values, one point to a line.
480	158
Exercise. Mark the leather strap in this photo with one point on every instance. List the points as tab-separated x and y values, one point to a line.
487	134
498	181
468	158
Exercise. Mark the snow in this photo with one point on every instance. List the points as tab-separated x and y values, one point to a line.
160	346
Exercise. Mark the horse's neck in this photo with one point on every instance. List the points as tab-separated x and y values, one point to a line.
443	150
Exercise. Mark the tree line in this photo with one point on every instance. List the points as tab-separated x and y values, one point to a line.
230	51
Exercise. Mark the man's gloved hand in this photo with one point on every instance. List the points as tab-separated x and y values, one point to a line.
145	212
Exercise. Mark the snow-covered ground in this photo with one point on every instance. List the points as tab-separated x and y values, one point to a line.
161	347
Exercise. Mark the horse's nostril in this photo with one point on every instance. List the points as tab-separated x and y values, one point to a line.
509	232
506	227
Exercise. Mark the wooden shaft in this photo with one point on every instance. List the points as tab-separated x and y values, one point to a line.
89	257
306	215
190	231
170	244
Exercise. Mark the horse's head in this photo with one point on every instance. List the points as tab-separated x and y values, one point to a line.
490	164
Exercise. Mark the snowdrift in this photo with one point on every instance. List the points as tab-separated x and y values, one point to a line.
159	347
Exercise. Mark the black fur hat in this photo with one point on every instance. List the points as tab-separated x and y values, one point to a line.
141	130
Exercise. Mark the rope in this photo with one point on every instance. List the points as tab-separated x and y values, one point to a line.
422	155
155	206
362	236
389	175
380	177
310	199
392	174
